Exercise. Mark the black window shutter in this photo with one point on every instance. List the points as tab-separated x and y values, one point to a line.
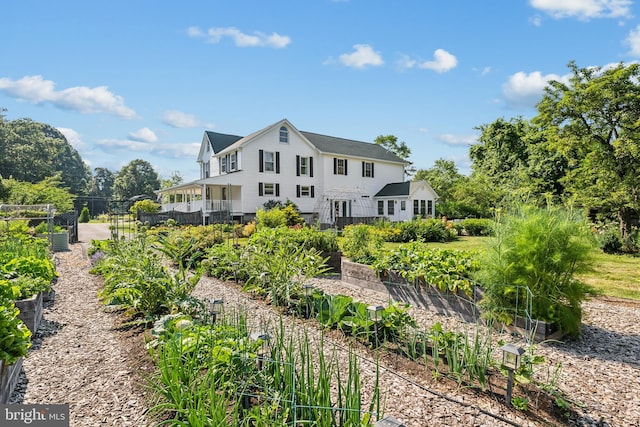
260	189
298	190
261	160
311	167
345	166
298	166
313	191
371	170
277	190
335	165
362	168
277	162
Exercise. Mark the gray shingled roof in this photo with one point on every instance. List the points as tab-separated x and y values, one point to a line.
220	141
348	147
394	189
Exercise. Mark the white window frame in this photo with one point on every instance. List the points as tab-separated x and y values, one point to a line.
268	189
390	207
305	191
284	135
223	164
380	207
269	165
304	166
340	166
368	169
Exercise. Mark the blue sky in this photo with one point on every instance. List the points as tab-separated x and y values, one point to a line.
144	79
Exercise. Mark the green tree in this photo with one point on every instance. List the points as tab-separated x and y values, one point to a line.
32	151
442	177
135	179
102	183
594	121
400	149
47	191
174	179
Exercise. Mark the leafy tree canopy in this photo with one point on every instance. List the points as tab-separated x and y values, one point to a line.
400	149
48	191
135	179
175	179
594	121
102	183
32	151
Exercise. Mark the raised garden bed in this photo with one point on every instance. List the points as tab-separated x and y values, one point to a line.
31	311
435	300
8	379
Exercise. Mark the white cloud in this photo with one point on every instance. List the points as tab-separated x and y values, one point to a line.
214	35
525	90
443	61
73	138
405	62
82	99
634	41
187	150
584	9
178	119
127	145
143	135
455	140
363	56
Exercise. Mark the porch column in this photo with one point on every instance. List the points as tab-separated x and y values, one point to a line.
204	202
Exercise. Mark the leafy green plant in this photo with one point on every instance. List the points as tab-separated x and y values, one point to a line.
542	250
446	269
360	243
31	266
477	226
520	403
85	216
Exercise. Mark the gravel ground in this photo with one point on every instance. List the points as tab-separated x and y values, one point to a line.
79	358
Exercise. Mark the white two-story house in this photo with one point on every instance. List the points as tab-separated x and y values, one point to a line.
332	180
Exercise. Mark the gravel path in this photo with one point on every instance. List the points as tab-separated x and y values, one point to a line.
78	358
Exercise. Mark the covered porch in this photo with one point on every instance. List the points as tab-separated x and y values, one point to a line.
213	199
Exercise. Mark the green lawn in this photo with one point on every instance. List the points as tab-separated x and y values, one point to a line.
613	275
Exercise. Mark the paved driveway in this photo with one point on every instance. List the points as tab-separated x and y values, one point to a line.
93	231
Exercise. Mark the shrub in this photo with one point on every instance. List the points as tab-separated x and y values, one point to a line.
147	206
272	218
477	226
542	250
84	215
360	243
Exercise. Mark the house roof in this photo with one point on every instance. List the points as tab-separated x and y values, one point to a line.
349	147
394	189
323	143
407	188
220	141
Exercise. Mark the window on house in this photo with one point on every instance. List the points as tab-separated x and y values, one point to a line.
284	135
233	162
205	170
403	205
390	207
380	207
416	207
423	207
367	169
339	166
223	193
429	207
304	166
269	161
223	164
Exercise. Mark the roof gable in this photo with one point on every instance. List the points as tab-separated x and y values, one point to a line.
220	141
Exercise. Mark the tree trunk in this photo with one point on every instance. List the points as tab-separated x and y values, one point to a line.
624	220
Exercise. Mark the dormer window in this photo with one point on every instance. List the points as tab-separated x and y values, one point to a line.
284	135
